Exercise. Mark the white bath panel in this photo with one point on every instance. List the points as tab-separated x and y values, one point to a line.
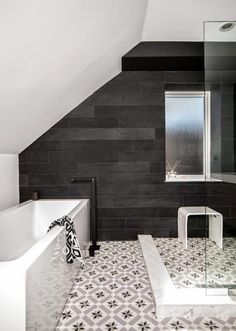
186	302
35	278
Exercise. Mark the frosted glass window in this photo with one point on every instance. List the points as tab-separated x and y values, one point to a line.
185	132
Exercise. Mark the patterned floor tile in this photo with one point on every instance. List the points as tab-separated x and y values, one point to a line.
187	267
112	292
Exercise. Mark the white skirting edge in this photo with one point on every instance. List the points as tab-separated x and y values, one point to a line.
171	301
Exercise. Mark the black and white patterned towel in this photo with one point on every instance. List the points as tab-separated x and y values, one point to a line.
72	242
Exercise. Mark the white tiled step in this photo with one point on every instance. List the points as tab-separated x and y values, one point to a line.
180	302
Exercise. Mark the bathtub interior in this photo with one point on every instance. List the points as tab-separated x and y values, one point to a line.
22	226
47	211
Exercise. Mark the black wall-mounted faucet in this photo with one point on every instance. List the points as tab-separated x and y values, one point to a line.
93	221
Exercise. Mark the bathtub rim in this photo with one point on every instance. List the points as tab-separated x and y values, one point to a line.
22	204
12	208
25	260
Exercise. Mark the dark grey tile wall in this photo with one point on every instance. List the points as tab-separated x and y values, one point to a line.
221	84
164	55
221	196
118	135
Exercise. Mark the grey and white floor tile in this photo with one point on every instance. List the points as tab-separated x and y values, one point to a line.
112	293
202	261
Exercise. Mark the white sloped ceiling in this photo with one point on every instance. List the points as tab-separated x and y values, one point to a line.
53	55
182	20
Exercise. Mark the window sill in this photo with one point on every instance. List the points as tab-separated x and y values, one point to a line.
190	178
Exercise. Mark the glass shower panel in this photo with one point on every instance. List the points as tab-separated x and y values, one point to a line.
220	84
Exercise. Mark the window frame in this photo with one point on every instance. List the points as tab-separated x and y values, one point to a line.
206	176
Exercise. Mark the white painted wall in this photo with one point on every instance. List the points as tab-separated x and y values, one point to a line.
54	54
9	183
212	32
183	19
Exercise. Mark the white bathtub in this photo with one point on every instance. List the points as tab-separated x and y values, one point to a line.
35	278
